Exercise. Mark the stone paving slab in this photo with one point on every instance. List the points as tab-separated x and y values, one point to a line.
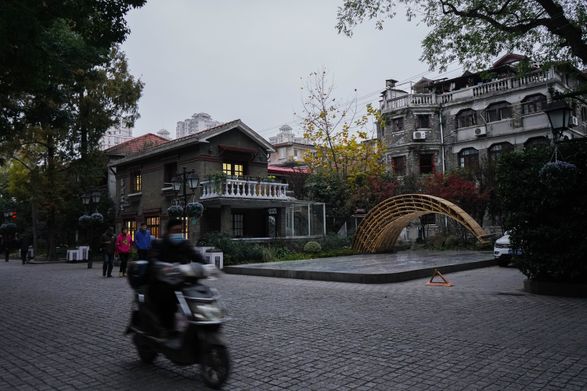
371	268
62	329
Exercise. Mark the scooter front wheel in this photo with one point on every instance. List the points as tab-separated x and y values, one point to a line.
215	366
146	354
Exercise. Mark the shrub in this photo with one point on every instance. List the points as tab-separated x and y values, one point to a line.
312	247
545	208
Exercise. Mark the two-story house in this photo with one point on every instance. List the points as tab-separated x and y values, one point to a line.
460	122
230	162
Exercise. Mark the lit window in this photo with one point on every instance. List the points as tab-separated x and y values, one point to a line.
131	226
136	182
236	169
153	224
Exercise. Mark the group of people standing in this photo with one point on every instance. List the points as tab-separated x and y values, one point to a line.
121	245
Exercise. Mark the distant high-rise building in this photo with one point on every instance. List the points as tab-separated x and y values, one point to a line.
289	148
164	133
115	136
198	122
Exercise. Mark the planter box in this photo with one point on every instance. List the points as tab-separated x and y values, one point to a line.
555	288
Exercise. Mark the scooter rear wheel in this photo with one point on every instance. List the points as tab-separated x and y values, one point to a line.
215	366
146	354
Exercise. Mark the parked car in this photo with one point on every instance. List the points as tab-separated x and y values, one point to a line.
503	251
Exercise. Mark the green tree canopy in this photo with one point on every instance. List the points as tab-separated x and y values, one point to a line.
474	32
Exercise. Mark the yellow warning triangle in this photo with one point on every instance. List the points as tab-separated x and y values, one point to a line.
438	283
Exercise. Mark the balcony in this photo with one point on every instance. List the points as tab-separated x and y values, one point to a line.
244	189
473	92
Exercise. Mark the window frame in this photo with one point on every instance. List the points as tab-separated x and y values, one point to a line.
419	118
395	122
402	167
229	168
432	165
503	110
466	118
535	102
238	225
136	181
465	159
155	229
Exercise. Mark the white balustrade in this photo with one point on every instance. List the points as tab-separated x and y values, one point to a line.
240	188
469	92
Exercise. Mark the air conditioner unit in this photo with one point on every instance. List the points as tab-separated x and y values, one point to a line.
480	132
574	121
419	135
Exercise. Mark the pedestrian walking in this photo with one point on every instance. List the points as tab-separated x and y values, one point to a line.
24	248
143	241
108	243
123	246
8	242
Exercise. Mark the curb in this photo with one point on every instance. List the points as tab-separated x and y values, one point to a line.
361	278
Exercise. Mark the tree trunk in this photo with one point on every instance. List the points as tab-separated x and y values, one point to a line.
51	244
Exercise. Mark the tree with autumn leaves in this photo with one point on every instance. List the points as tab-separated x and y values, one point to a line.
345	157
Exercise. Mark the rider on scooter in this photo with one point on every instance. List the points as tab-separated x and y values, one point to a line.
172	248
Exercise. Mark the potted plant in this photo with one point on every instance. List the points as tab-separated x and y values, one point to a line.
194	209
175	211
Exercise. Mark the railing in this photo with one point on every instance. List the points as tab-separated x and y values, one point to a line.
241	188
469	92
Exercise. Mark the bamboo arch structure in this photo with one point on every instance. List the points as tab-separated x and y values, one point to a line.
383	224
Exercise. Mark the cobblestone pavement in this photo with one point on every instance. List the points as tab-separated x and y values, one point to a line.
62	329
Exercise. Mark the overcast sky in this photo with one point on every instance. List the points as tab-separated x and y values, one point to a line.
244	59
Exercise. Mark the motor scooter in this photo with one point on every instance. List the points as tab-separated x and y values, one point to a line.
197	338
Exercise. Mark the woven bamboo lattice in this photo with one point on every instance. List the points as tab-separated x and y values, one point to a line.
381	227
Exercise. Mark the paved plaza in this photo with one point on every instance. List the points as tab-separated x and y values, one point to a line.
62	329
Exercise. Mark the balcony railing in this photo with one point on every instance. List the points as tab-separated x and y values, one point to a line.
242	188
410	100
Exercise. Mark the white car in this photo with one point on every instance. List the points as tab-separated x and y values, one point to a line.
502	250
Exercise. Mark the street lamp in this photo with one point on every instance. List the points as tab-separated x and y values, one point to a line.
88	198
559	116
182	181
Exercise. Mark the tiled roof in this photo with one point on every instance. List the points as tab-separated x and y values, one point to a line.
136	145
202	136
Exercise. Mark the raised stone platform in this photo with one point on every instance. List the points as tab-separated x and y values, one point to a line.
371	268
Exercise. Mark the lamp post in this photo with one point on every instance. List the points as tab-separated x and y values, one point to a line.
89	198
182	181
559	116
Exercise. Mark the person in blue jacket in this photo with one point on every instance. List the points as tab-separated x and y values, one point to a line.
143	241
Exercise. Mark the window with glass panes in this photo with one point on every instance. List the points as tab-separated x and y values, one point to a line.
238	225
469	159
422	121
398	124
153	224
136	182
131	226
426	163
467	117
236	169
497	150
498	111
398	165
533	104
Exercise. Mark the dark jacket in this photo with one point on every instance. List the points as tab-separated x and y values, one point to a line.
165	250
107	242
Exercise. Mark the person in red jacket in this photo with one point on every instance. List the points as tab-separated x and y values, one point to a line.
123	247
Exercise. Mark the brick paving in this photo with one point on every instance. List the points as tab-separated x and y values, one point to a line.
62	329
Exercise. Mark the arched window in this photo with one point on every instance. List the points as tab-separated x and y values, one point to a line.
469	159
467	117
496	150
533	104
498	111
537	142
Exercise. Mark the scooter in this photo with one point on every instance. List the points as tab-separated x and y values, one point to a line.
198	322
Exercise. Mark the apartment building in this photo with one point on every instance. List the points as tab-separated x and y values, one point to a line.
444	124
